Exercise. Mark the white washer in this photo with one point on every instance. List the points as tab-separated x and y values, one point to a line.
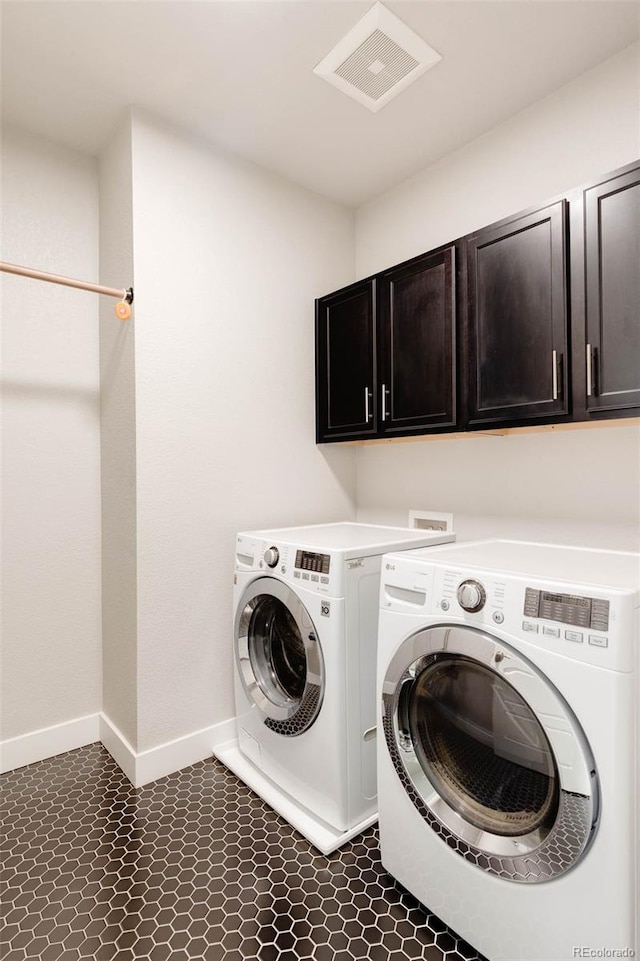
305	633
508	770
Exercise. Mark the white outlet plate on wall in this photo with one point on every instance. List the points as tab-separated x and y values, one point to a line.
431	521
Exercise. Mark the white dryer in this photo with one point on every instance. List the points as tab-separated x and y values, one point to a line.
305	635
508	771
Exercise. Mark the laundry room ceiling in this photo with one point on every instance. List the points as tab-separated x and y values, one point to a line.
240	75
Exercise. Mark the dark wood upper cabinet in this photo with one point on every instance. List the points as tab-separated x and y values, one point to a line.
475	335
385	352
612	294
516	346
417	336
346	387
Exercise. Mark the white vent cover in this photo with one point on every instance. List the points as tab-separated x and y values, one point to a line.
377	59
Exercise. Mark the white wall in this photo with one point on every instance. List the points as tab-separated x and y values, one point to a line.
572	486
118	443
228	259
51	439
586	128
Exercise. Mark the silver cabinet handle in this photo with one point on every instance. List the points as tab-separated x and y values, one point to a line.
366	405
384	402
554	374
589	371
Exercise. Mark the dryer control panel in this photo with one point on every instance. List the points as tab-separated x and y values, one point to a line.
577	621
588	612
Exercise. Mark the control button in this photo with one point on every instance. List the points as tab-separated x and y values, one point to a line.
530	627
471	596
305	576
576	636
445	605
314	577
531	602
324	580
271	556
498	617
296	573
551	631
597	641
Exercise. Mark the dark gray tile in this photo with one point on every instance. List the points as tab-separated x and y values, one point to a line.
191	867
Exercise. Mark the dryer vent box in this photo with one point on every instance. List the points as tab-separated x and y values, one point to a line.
378	59
431	521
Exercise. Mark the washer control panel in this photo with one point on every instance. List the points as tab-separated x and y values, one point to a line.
310	561
312	570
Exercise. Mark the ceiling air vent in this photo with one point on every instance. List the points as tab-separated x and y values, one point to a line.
377	59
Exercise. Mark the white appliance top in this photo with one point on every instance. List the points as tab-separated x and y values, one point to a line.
356	540
580	565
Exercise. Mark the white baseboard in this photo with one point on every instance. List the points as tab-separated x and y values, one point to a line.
118	747
174	755
146	766
48	741
140	767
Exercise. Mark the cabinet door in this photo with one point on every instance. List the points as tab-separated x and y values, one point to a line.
416	311
346	364
612	262
517	319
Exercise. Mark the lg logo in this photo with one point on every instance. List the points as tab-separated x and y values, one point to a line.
390	567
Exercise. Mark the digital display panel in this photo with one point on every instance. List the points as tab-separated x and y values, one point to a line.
308	561
587	612
566	599
565	608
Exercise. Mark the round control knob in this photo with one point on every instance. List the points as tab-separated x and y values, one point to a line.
271	556
471	596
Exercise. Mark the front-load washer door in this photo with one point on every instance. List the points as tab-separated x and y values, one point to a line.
279	656
490	753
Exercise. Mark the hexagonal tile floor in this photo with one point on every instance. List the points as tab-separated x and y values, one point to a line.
191	866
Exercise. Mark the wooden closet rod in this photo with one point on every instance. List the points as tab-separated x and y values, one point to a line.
125	295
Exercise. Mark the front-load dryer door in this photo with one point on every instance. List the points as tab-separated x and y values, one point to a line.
279	656
490	753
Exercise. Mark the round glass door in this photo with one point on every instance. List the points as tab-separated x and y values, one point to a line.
482	748
490	753
279	657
